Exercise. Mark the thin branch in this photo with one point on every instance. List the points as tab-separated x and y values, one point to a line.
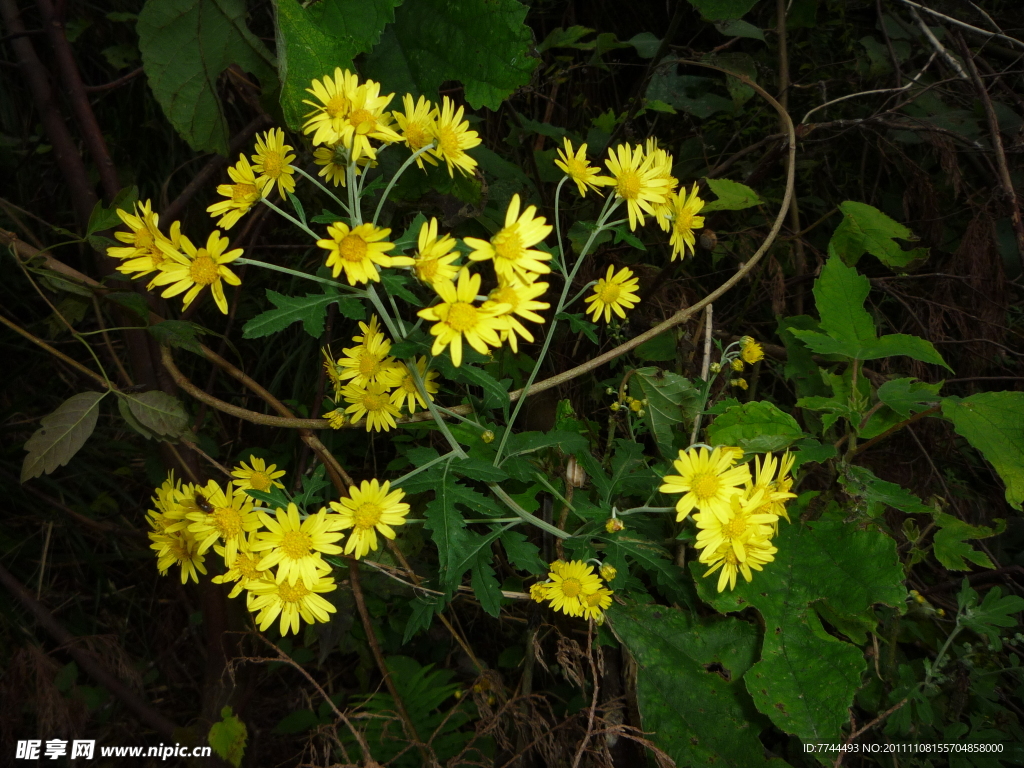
114	83
964	25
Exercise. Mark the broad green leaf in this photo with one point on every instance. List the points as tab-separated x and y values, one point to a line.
659	349
950	542
689	685
158	412
732	196
61	434
865	228
877	493
482	43
228	736
654	559
177	333
129	417
132	301
671	399
646	44
909	396
478	469
800	366
186	45
738	28
314	38
994	612
566	38
806	679
311	309
522	554
839	294
689	93
993	422
895	344
756	427
103	218
717	10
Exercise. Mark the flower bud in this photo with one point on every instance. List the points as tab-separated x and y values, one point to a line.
613	524
608	572
487	437
574	474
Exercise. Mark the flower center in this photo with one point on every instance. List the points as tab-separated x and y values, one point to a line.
373	402
352	248
593	600
448	141
506	296
735	527
143	238
296	544
337	106
462	317
292	593
243	193
368	364
259	481
507	243
203	270
246	566
426	270
362	120
571	587
609	293
577	168
227	521
628	185
273	164
684	221
705	486
409	385
366	516
416	136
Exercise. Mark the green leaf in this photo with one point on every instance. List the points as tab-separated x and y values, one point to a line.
131	301
478	469
654	559
806	679
756	427
716	10
579	324
950	542
482	43
865	228
566	38
61	434
228	736
313	40
909	396
186	45
862	482
996	611
738	28
103	218
522	554
495	392
659	349
395	285
160	413
800	366
531	442
177	333
895	344
671	399
646	44
839	294
311	309
732	196
448	529
485	585
689	687
993	422
424	609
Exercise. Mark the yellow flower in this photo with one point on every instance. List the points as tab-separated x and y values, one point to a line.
455	317
258	477
577	168
370	509
681	213
223	515
406	391
739	524
178	548
614	525
741	383
707	480
637	181
359	251
367	120
608	572
334	159
330	110
725	558
369	331
291	602
435	257
369	362
776	489
520	300
510	247
336	418
737	365
374	402
296	545
615	292
417	125
539	591
241	568
453	137
241	196
198	268
595	604
661	162
570	584
750	350
143	255
273	163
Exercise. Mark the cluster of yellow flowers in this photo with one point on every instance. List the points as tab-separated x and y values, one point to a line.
373	383
738	513
736	356
573	588
190	519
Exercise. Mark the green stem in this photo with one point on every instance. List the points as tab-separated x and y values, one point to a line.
456	448
291	218
328	192
371	292
306	276
421	468
509	502
396	177
558	226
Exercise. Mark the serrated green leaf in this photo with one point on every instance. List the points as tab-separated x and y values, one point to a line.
485	585
839	294
158	412
688	684
424	609
482	43
656	560
531	442
566	38
993	422
895	344
995	612
478	469
134	423
522	553
806	679
61	434
313	40
310	309
732	196
447	526
103	217
177	333
909	396
228	736
950	542
865	228
579	324
863	483
756	427
186	45
671	399
132	301
396	285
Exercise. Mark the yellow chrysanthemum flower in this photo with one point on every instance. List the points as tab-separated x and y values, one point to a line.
707	480
334	159
178	548
615	292
367	120
198	268
258	477
681	213
406	391
750	350
539	591
330	110
775	497
455	318
336	418
596	603
661	163
435	256
242	568
168	511
369	363
272	162
296	545
570	584
741	523
417	124
578	168
359	251
242	195
608	572
521	301
374	402
291	602
637	181
370	509
510	247
222	516
143	254
453	137
757	554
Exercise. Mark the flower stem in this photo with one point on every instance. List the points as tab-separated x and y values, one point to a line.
396	177
328	192
290	218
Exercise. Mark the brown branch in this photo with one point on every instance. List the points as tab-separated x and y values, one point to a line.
114	83
88	662
57	353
